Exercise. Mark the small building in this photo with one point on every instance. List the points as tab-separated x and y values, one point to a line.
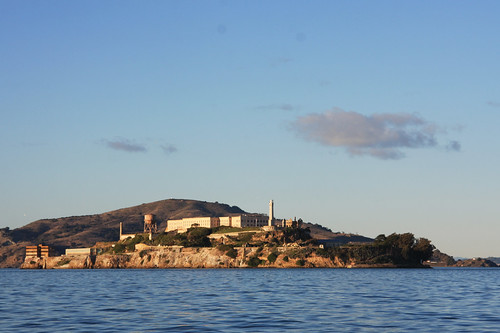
32	251
87	251
124	236
39	251
292	223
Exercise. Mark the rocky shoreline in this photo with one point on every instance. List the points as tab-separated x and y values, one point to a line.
180	257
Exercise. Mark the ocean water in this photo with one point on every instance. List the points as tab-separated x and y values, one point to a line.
250	300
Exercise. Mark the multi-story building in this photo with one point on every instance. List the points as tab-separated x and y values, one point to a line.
239	221
249	220
184	224
39	251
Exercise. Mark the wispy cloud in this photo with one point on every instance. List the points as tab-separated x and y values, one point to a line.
169	149
453	146
379	135
493	104
125	145
130	146
283	107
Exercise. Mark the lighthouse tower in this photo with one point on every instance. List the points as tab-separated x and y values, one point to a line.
271	213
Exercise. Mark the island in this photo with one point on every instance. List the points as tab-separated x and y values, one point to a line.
225	247
178	233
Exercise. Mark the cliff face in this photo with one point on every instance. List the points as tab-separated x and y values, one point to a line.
171	257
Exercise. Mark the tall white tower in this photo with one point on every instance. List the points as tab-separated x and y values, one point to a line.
271	213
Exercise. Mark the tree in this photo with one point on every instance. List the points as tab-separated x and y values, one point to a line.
380	238
423	250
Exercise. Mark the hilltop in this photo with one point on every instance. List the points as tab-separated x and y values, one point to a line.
85	231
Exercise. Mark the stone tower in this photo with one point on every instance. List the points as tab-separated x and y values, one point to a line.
271	213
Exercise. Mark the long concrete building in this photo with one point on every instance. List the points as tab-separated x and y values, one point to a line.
239	221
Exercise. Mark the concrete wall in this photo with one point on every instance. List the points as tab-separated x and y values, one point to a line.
125	236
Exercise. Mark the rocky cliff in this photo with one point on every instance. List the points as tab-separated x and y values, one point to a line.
179	257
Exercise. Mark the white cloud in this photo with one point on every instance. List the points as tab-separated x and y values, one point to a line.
379	135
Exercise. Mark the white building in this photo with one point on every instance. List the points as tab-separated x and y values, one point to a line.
184	224
238	221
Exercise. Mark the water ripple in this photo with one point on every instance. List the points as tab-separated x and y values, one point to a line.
256	300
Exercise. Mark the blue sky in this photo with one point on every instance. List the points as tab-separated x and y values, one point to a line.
368	117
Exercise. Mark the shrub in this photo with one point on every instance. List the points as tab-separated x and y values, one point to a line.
272	257
199	232
197	237
130	243
246	237
300	262
143	253
119	248
63	262
224	247
300	253
285	258
254	261
322	252
166	239
232	253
